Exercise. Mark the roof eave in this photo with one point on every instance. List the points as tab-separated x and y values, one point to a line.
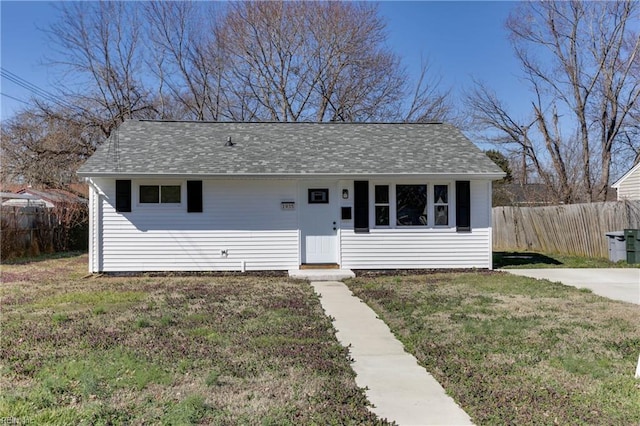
458	176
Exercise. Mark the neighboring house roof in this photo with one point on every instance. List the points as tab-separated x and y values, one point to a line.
14	196
532	194
141	148
11	199
54	196
45	198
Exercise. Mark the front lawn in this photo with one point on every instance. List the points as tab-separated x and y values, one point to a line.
514	350
168	350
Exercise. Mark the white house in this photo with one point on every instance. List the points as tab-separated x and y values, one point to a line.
628	186
202	196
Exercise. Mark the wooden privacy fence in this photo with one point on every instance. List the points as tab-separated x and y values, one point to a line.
575	229
30	231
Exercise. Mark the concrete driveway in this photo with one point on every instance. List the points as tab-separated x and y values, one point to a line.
614	283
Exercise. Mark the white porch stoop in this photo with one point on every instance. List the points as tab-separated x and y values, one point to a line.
321	274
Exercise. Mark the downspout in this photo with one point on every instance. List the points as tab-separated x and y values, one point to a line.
490	204
94	226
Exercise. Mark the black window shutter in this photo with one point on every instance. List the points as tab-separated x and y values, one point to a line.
194	196
123	195
463	205
361	206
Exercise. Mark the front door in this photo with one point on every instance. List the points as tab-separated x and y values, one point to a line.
319	222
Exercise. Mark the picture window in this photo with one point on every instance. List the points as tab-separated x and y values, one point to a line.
411	205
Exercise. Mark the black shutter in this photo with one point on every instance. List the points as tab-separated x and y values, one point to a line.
361	206
463	205
123	195
194	196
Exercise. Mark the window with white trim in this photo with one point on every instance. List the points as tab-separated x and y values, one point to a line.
441	205
413	204
381	205
160	194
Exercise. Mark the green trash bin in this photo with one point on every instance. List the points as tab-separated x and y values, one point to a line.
632	237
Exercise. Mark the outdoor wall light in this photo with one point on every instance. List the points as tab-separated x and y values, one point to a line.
345	194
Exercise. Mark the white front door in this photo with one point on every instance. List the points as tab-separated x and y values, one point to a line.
319	222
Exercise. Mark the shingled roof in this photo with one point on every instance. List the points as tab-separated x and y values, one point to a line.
148	148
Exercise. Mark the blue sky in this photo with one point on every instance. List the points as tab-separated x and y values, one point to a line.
461	40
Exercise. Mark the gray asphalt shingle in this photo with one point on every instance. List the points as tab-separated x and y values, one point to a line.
180	147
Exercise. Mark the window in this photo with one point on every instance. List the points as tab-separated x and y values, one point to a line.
382	205
149	194
170	194
411	204
408	205
163	194
441	204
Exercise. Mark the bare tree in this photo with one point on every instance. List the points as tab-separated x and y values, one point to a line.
490	114
428	101
42	150
186	57
101	48
318	61
578	59
281	61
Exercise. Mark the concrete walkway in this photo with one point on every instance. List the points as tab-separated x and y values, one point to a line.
614	283
400	389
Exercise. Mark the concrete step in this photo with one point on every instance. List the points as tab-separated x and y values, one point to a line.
321	274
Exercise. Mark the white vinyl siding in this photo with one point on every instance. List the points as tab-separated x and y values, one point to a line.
426	247
416	249
242	218
245	218
629	187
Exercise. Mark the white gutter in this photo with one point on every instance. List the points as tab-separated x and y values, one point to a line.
355	176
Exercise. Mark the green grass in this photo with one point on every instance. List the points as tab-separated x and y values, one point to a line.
168	350
190	410
513	350
42	258
546	260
